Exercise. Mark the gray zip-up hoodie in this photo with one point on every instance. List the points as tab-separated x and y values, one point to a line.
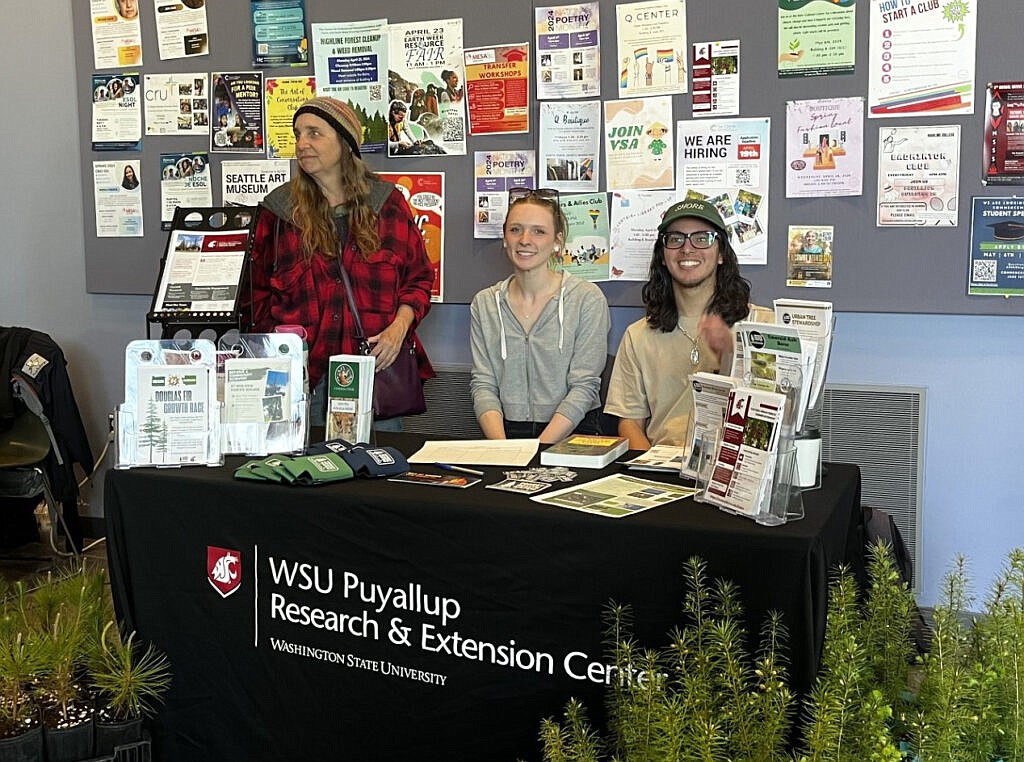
556	367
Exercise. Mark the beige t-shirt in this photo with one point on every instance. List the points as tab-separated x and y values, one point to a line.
650	380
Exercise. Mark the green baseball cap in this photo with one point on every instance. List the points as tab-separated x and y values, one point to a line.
692	208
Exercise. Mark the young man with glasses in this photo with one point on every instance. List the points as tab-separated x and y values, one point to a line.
693	295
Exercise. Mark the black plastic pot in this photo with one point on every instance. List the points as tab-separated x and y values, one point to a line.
28	747
69	744
110	735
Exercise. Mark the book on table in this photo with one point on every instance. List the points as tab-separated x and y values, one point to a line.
584	451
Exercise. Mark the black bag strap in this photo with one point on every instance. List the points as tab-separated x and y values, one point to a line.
351	300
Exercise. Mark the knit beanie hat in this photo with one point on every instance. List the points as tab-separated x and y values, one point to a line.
337	114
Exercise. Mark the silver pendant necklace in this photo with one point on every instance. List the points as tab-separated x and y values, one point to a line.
695	351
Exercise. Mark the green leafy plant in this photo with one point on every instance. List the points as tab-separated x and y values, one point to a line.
130	679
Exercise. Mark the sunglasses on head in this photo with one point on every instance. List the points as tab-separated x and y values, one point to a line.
543	194
702	239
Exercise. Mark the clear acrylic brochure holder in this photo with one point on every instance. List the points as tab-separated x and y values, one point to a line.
170	415
260	383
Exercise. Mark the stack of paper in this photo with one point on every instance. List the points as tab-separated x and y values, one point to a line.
350	397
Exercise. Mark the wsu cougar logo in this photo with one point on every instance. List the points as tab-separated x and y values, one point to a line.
224	569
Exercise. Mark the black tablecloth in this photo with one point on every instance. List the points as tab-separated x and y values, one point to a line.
502	599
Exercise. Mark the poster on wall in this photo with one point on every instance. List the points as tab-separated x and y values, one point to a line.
651	39
921	57
116	35
635	216
1004	134
716	78
116	112
809	256
426	89
638	143
424	192
997	247
283	96
494	174
816	37
181	29
350	61
570	144
246	183
117	194
918	176
279	33
184	181
824	147
568	51
725	161
498	89
238	112
586	246
176	104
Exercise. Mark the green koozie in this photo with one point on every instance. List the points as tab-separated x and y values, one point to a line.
269	469
318	469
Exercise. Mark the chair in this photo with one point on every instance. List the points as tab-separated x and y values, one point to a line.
24	448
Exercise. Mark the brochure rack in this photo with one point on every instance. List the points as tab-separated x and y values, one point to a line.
170	415
260	383
204	282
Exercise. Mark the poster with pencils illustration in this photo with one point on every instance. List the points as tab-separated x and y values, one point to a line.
651	47
350	61
237	112
638	144
426	89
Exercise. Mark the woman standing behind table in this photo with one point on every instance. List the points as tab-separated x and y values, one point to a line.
539	337
336	208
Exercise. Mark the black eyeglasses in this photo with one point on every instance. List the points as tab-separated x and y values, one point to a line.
543	194
702	239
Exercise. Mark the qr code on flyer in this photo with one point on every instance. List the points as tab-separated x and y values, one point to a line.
984	271
454	132
374	92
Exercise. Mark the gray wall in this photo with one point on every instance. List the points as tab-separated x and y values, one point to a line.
971	366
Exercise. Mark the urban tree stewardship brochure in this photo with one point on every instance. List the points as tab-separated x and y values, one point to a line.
615	496
651	41
824	147
725	162
638	144
918	176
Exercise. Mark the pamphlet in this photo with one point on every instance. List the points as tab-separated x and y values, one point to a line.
775	360
521	486
659	458
173	414
256	390
350	397
814	321
436	480
616	496
710	400
744	463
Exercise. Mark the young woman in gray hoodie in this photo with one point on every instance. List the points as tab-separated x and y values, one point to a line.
540	336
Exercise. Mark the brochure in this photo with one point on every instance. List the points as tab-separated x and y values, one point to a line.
173	413
350	397
436	480
744	463
774	359
659	458
710	401
814	321
615	496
